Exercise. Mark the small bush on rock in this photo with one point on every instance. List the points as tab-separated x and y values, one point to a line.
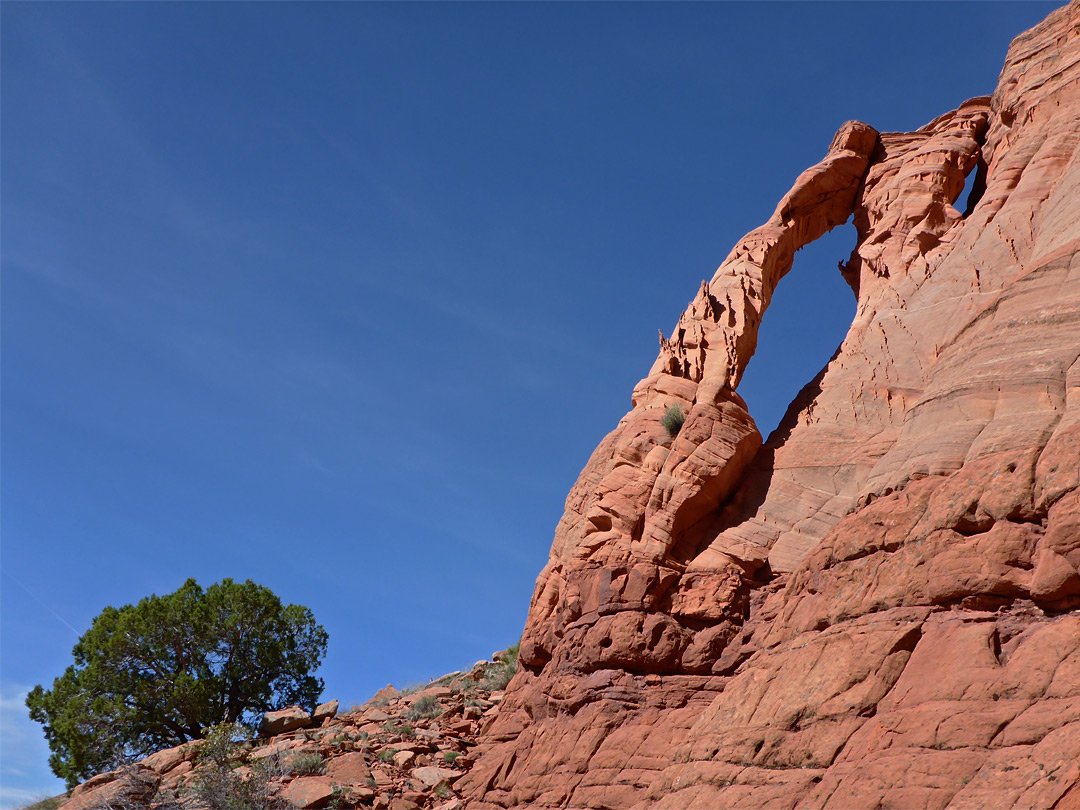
424	709
442	791
498	675
309	762
45	803
339	799
673	420
217	785
221	745
413	688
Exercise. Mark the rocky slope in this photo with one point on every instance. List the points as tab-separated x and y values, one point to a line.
398	752
880	606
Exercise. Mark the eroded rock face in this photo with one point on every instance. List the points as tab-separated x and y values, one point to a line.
618	590
880	606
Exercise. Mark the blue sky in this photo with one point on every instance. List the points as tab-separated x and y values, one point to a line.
340	297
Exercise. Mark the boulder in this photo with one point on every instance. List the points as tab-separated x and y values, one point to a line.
349	768
134	786
308	792
165	760
433	692
384	695
403	758
283	721
324	711
432	775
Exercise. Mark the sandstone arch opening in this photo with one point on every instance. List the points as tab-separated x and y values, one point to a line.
807	319
974	187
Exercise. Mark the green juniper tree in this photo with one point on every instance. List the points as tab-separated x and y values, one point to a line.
155	674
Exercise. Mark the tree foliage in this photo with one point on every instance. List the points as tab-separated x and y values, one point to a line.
155	674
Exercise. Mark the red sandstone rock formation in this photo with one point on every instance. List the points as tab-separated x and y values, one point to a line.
880	606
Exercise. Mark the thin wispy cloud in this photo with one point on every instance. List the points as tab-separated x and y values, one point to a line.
15	579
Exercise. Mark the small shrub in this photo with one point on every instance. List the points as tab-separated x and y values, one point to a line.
442	791
339	799
221	744
465	685
424	709
510	657
497	678
450	756
46	803
397	727
217	786
387	754
412	688
498	675
673	420
136	789
309	762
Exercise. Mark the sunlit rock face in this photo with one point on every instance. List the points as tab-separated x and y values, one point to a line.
880	606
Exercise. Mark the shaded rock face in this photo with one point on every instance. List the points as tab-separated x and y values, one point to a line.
880	605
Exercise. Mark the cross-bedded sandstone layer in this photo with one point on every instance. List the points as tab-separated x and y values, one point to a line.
880	606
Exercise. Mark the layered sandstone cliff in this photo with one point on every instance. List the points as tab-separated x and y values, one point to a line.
880	606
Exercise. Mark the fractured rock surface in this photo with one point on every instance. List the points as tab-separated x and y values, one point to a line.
880	605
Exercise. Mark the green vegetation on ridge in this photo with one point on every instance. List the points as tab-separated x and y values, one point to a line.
156	674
